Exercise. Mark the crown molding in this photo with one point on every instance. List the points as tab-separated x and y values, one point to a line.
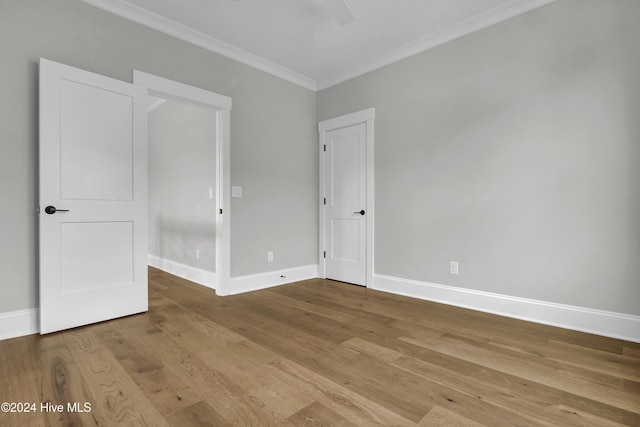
182	32
486	19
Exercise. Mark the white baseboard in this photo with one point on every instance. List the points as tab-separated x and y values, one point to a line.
19	323
197	275
270	279
606	323
616	325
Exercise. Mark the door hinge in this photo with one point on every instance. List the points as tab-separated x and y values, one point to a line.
325	147
325	200
220	211
325	254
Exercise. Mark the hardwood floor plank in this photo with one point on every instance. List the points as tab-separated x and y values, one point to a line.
309	307
312	324
282	337
115	394
321	356
164	389
18	384
530	404
180	316
387	386
198	415
443	418
631	352
59	381
581	382
216	388
621	366
316	414
432	393
319	352
416	356
243	362
349	404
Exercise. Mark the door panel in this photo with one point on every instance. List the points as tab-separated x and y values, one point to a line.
346	181
345	240
97	157
346	189
85	266
93	170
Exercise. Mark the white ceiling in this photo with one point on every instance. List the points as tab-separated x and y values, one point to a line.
301	41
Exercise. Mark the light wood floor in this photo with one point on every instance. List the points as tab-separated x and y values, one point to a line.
318	353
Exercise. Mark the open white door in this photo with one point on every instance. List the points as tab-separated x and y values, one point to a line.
93	198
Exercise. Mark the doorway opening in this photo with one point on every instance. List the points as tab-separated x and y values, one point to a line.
182	190
189	162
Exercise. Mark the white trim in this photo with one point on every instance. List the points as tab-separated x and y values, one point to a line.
170	89
182	32
486	19
606	323
223	202
366	116
351	119
19	323
154	102
270	279
194	274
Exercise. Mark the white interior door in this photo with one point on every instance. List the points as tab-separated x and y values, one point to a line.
345	216
93	198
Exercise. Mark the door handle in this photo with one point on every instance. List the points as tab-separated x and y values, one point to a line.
52	209
360	212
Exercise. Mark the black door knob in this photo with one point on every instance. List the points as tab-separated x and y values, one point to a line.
52	209
361	212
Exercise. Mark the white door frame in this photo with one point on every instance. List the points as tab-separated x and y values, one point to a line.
367	117
180	92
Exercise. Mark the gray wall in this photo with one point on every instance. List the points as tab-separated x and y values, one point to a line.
515	151
182	170
273	133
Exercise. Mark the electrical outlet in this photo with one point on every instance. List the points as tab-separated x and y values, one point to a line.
453	267
197	253
269	256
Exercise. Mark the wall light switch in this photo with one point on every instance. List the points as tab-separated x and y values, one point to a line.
269	256
453	267
211	194
236	191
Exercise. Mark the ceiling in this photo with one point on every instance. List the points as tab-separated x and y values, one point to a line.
303	42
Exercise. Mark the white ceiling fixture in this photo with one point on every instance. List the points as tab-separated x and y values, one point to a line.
318	43
341	11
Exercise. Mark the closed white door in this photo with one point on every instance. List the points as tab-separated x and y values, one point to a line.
93	198
345	216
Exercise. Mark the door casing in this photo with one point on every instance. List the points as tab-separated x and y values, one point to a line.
221	105
367	117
